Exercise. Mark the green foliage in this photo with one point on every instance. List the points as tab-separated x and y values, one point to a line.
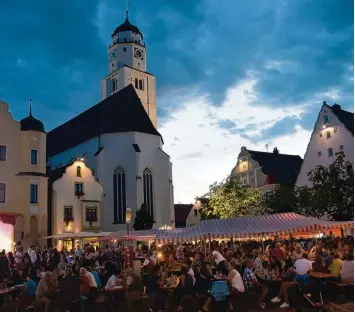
230	199
331	193
280	200
143	220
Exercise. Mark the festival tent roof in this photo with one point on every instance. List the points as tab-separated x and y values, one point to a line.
77	235
251	227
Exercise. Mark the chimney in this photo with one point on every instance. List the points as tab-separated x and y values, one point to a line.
336	107
276	151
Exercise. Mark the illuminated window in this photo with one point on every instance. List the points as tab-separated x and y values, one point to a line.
341	147
319	154
328	134
148	190
119	195
330	152
91	214
68	214
78	171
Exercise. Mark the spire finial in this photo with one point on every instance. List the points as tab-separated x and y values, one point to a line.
30	107
127	8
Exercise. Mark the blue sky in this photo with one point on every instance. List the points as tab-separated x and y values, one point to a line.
229	73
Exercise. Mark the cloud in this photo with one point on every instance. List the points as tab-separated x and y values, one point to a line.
213	150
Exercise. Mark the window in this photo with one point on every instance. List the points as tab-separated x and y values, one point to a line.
328	134
320	135
330	152
78	172
91	214
141	87
2	153
124	49
34	154
34	194
195	212
2	192
68	214
148	190
335	130
79	188
119	195
136	83
319	154
114	84
325	119
341	147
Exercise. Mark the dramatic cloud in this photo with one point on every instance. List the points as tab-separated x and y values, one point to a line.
229	73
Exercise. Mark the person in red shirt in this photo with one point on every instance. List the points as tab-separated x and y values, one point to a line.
84	283
277	252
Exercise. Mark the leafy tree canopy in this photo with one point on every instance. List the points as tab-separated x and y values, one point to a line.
143	220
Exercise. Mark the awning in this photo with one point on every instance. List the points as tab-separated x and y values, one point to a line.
77	235
251	227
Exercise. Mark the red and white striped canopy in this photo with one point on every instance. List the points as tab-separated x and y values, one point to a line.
250	227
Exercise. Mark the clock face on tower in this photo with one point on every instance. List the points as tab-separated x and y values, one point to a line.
138	54
112	56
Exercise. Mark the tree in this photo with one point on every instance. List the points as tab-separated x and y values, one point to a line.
143	220
280	200
331	193
229	199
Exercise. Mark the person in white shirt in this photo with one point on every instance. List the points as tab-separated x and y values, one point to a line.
303	266
234	278
32	254
113	281
18	257
257	263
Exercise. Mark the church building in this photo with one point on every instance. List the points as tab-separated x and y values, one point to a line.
118	139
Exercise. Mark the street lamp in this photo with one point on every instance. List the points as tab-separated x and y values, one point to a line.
128	219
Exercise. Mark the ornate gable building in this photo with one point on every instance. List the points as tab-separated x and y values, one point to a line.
118	139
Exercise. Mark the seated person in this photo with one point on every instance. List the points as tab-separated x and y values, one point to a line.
203	280
234	278
252	284
319	264
336	266
286	285
111	287
69	290
153	288
347	269
28	296
185	287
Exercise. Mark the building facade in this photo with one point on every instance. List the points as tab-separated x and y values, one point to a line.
118	138
75	202
333	132
23	180
266	171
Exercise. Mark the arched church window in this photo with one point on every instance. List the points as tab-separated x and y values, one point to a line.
141	84
136	83
148	190
78	171
119	195
114	84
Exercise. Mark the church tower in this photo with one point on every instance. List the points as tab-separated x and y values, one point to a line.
127	64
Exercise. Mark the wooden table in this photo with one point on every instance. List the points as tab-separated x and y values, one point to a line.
320	275
5	293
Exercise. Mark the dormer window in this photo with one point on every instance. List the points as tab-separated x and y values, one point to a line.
124	49
328	135
78	171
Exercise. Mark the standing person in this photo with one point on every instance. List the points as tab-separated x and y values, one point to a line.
251	283
33	254
297	253
69	290
153	288
4	266
221	262
108	254
18	258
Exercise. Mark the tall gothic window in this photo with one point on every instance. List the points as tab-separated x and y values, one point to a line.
140	84
148	190
114	84
136	83
119	195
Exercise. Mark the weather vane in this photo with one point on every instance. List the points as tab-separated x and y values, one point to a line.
128	4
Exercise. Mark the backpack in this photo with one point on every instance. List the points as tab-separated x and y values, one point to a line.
220	290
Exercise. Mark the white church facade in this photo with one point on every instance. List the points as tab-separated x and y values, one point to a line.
118	139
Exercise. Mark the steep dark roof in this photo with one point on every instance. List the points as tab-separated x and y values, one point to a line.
280	168
31	124
347	118
181	213
121	112
127	26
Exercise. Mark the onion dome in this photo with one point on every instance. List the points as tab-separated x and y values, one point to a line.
30	123
127	26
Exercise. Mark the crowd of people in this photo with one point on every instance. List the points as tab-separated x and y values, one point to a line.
49	277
